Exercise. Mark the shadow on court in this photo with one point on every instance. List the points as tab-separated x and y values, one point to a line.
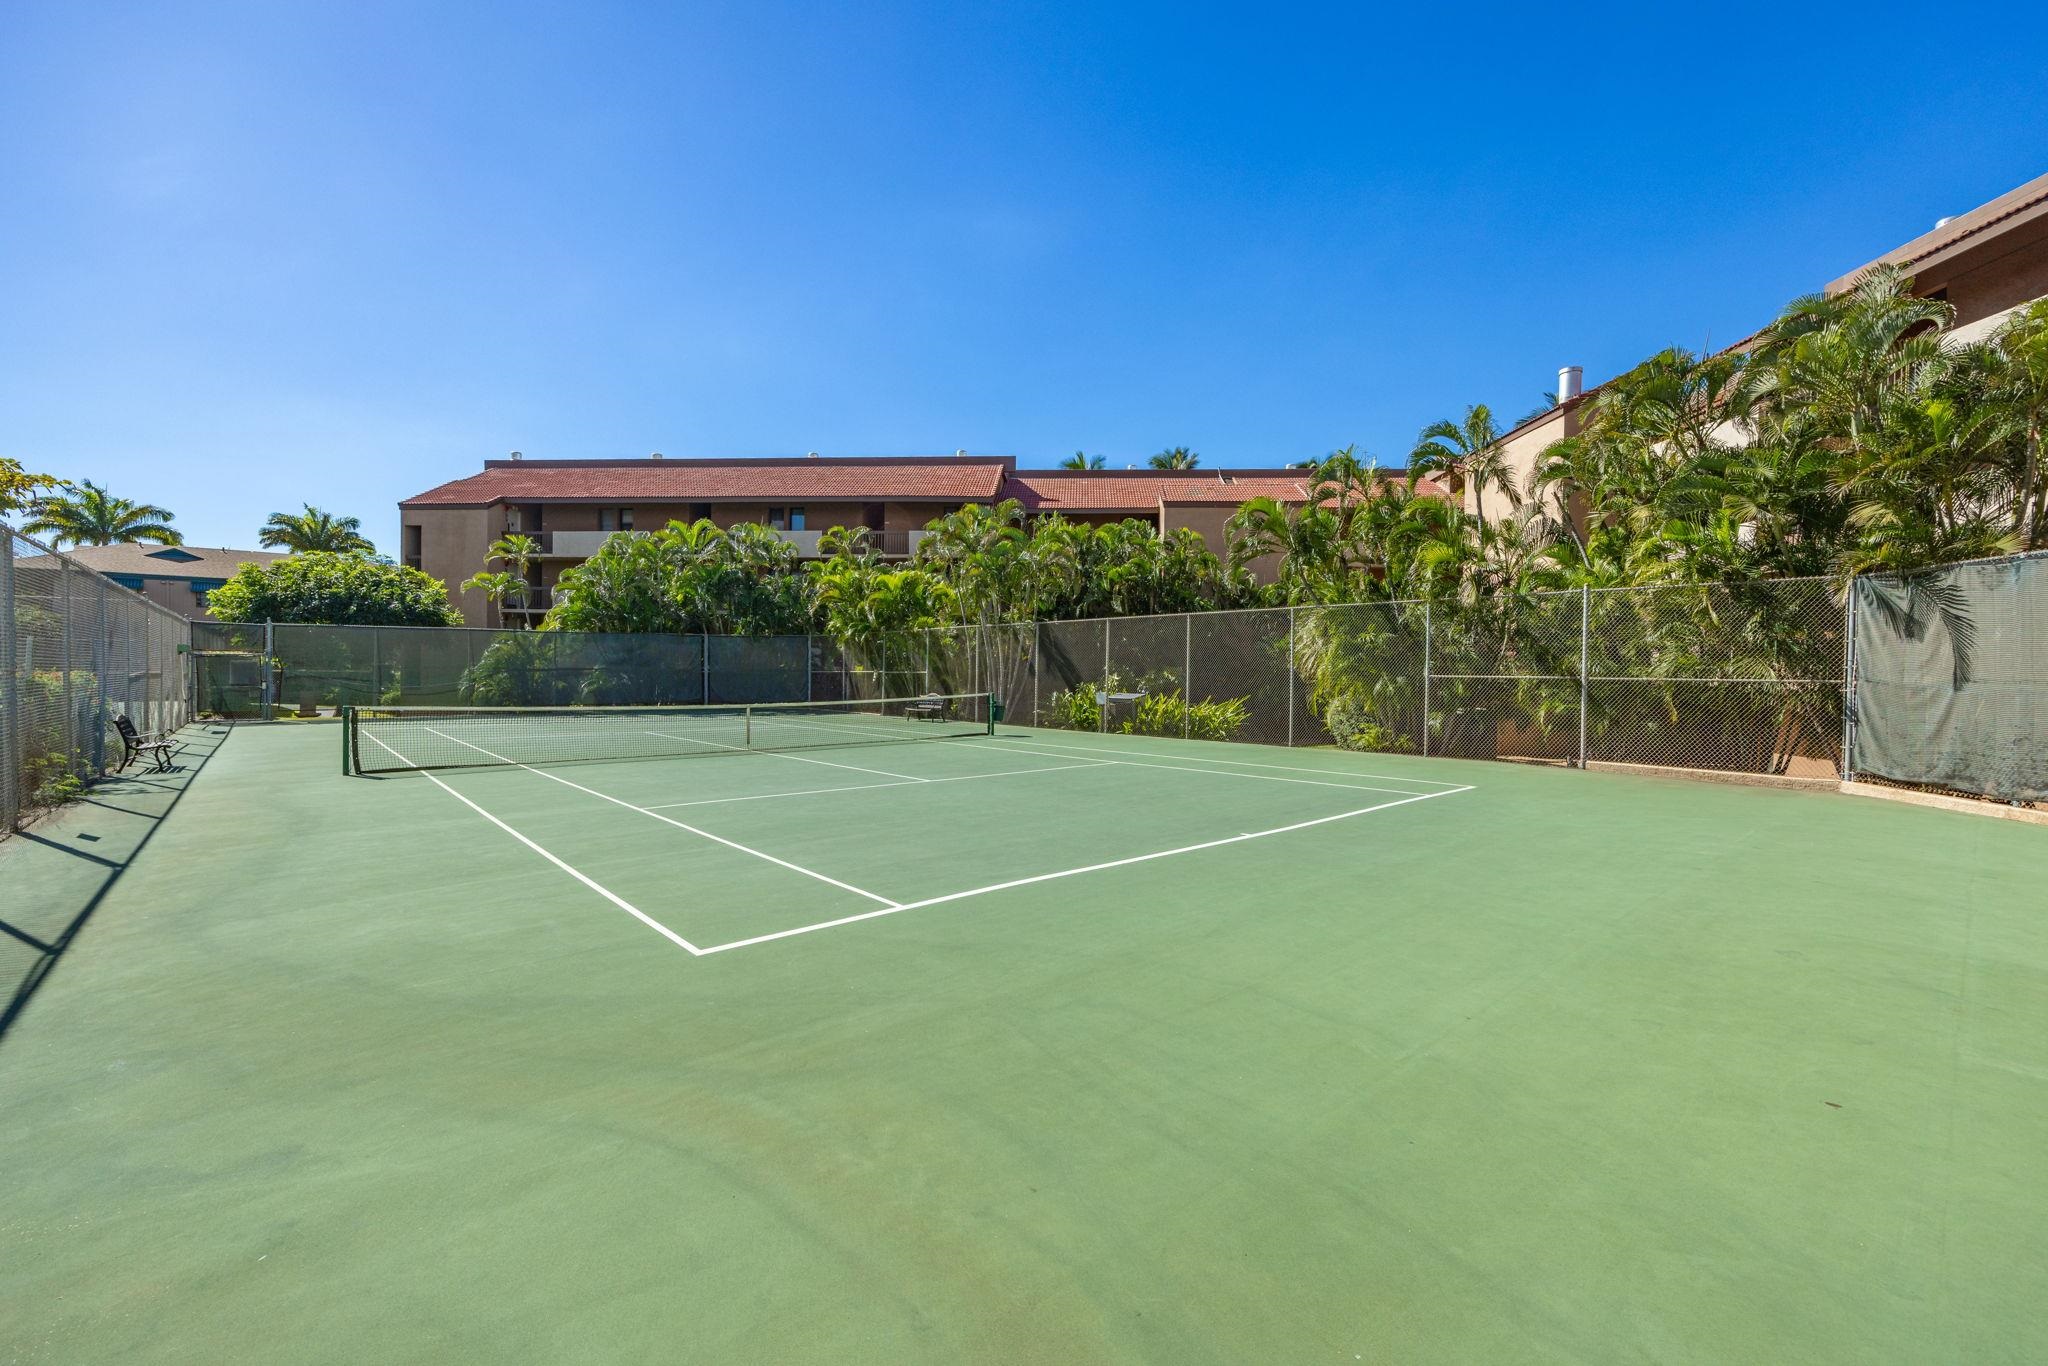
60	869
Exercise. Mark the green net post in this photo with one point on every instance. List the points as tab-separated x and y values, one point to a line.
348	725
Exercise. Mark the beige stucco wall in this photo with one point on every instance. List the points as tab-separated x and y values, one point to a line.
453	543
1521	450
1207	520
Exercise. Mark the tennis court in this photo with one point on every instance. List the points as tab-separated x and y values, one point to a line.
695	1037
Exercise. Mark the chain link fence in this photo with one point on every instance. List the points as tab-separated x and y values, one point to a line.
79	652
1732	677
272	671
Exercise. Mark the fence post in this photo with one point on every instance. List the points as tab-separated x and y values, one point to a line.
70	704
10	694
704	664
1849	683
1290	675
102	672
1037	661
1103	689
1425	677
269	673
1187	674
1585	639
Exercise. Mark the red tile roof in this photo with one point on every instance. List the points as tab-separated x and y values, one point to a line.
936	479
1144	490
896	478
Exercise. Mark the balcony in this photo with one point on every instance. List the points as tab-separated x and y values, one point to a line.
581	545
538	600
888	544
575	545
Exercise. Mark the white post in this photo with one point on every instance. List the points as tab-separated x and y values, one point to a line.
70	704
102	677
1187	673
1102	690
1849	683
1585	639
269	675
1037	657
1425	679
10	701
1290	676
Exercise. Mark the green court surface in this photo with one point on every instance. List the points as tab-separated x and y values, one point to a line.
1024	1047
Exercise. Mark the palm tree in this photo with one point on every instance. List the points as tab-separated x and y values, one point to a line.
1175	458
89	515
1081	461
515	551
2018	390
1466	453
1306	539
313	529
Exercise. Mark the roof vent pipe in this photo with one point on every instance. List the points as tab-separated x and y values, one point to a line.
517	456
1943	222
1571	379
655	455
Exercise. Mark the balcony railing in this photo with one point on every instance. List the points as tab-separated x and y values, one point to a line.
889	544
581	545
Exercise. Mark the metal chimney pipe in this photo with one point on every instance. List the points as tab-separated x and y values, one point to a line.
1571	380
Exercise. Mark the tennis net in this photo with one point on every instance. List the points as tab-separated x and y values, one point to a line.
393	739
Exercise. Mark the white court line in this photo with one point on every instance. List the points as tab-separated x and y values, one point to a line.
670	820
1240	763
870	787
592	883
1076	872
1228	773
778	754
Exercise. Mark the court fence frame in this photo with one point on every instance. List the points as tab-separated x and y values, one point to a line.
78	651
1744	677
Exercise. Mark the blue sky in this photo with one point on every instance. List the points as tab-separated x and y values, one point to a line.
254	256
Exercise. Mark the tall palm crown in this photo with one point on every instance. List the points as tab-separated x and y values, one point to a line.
1466	453
315	530
1175	458
89	515
1081	461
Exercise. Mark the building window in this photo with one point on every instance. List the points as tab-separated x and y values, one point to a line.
796	519
778	519
615	519
700	512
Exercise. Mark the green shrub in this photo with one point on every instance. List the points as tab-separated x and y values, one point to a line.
1352	725
1159	713
1169	714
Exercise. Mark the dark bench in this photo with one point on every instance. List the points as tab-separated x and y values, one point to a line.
159	748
